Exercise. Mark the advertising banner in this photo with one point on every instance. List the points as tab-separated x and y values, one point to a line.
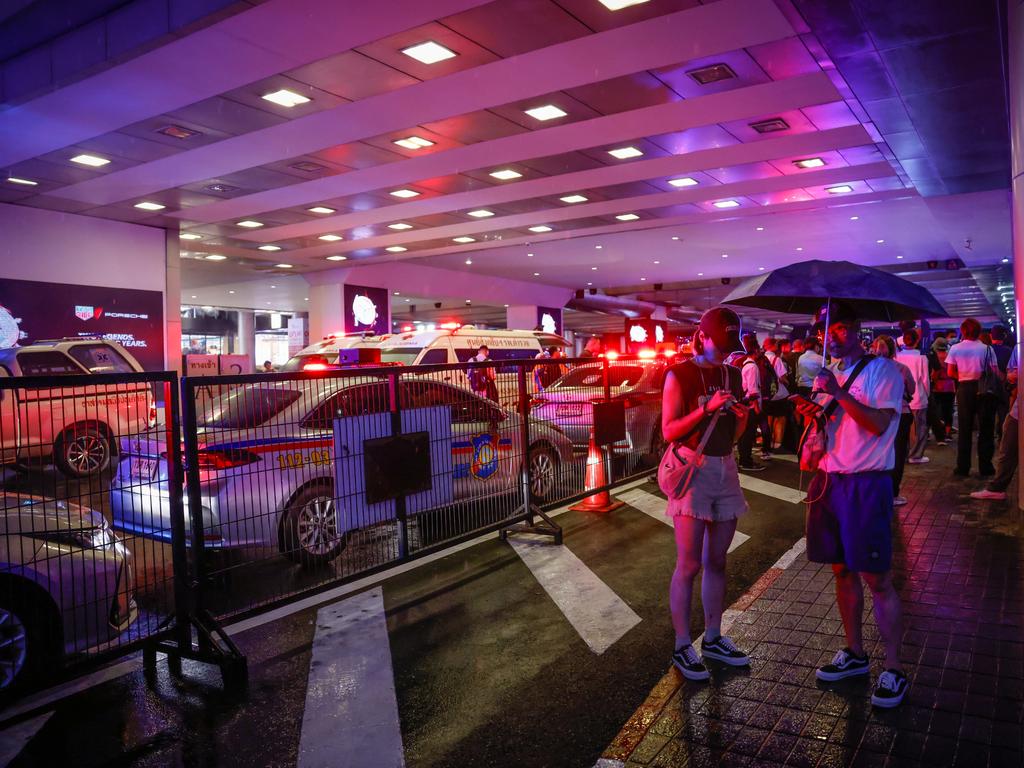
298	335
32	311
644	333
367	309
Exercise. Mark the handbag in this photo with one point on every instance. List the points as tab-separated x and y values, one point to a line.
814	441
989	382
675	472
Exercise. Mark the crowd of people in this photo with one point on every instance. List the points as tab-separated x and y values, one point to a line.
856	422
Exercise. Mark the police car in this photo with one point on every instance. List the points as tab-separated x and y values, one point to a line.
269	453
77	424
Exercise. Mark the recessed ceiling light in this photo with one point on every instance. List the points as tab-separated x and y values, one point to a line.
675	237
90	160
305	298
404	193
399	225
712	74
799	248
547	112
599	247
283	266
1006	261
627	217
221	188
286	98
854	218
320	209
540	228
231	292
760	269
899	257
214	257
593	269
573	199
250	224
506	174
759	229
657	262
413	142
536	274
530	255
330	238
809	162
589	283
618	5
146	205
624	153
879	241
700	274
725	255
193	296
686	181
396	293
469	262
307	166
642	279
270	248
25	182
190	236
726	204
429	52
482	213
337	258
395	249
839	189
464	239
273	286
770	126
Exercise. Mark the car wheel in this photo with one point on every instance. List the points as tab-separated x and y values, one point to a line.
310	527
543	473
82	452
25	654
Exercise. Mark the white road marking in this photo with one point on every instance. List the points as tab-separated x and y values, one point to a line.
351	715
14	738
133	664
766	488
654	506
599	615
790	457
791	555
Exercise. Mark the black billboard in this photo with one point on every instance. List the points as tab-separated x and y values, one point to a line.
32	311
367	309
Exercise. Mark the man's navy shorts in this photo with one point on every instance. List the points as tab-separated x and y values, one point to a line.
849	520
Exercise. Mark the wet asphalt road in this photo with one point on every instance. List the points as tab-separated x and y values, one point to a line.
487	670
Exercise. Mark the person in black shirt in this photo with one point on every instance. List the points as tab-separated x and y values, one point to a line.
704	517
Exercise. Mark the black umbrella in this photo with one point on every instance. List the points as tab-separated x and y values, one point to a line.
803	288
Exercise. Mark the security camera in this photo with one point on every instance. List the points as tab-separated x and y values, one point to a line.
437	305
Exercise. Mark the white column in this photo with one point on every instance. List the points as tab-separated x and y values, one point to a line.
246	334
1016	77
326	310
172	301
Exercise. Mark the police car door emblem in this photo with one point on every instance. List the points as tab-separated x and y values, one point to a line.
485	456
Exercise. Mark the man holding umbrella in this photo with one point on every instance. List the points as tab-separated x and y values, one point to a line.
850	505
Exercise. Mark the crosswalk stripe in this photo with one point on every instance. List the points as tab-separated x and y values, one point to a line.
791	458
351	715
654	506
766	488
14	738
599	615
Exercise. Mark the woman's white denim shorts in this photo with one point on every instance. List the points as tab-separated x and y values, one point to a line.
715	494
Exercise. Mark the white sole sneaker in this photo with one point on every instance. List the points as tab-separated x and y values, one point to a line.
831	677
690	674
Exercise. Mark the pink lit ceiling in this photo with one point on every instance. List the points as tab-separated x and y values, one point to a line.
771	162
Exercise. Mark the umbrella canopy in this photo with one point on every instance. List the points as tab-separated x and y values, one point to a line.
802	289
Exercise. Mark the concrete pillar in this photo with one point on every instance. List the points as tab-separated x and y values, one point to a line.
1016	84
526	317
246	334
326	310
172	301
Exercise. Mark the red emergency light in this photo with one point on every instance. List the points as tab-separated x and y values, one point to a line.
450	326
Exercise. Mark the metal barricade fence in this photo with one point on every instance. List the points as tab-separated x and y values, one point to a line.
75	586
130	523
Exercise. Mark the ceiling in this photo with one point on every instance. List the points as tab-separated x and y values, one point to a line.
902	108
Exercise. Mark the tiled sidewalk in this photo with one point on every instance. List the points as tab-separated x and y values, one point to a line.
960	571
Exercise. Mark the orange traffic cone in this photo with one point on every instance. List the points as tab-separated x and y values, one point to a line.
601	501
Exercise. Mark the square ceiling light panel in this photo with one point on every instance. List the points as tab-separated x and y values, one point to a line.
685	181
404	193
146	205
93	161
540	228
330	238
322	209
573	199
429	52
624	153
481	213
399	225
413	142
627	217
506	174
285	98
546	112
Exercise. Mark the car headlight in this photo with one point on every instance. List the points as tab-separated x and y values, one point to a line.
100	537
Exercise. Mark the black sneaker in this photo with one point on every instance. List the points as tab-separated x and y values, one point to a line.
752	467
724	650
892	687
844	664
688	662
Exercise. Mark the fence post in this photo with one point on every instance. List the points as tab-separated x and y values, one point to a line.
195	503
394	398
175	484
524	436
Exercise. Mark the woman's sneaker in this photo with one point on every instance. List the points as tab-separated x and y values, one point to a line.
892	687
688	662
724	650
844	664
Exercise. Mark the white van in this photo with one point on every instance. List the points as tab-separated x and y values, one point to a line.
325	352
459	344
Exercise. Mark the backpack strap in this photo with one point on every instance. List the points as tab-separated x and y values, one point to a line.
860	366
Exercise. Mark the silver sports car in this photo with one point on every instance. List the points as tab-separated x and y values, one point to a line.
65	584
269	455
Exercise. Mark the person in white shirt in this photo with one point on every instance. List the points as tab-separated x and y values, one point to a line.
750	377
778	408
885	346
911	357
965	363
849	512
1006	463
808	366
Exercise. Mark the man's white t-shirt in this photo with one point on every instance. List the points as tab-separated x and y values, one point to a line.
808	365
918	365
751	378
779	365
969	357
851	448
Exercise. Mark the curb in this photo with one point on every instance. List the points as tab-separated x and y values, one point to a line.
636	727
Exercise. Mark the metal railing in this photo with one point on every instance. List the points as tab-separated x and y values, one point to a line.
265	488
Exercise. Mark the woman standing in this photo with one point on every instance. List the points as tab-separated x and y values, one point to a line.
705	515
885	346
943	388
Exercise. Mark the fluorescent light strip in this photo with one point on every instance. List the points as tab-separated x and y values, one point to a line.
90	160
25	182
